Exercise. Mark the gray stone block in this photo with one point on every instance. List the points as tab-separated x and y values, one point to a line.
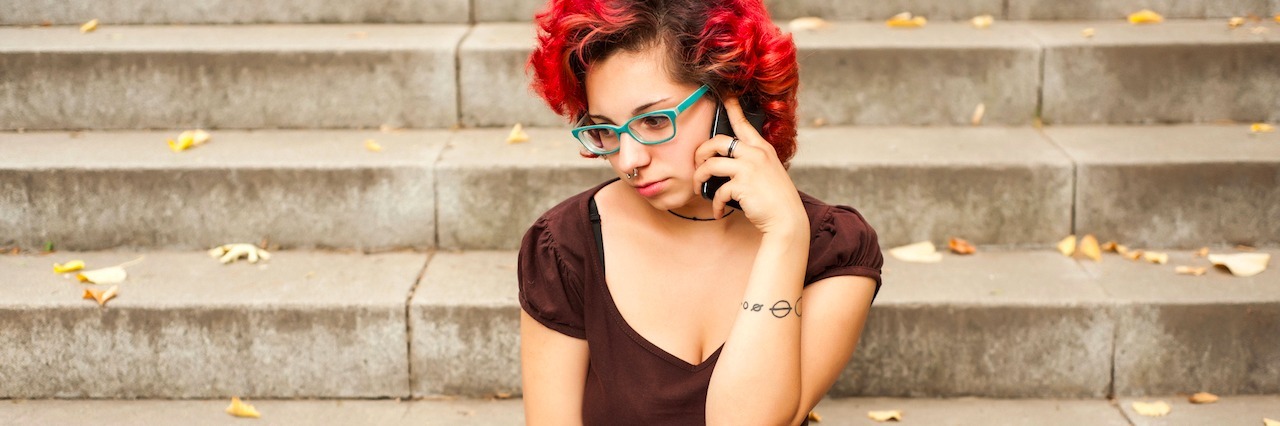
973	411
1184	334
1238	410
868	74
492	81
1174	72
1119	10
994	324
294	188
119	12
278	76
464	324
331	412
489	192
988	185
1180	186
934	10
508	10
186	326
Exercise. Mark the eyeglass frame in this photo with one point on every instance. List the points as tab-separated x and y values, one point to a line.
670	113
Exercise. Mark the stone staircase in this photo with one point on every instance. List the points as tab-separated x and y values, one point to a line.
397	273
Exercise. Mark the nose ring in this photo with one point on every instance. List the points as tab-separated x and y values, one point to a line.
633	174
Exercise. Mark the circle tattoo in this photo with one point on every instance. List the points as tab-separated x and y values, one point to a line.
781	309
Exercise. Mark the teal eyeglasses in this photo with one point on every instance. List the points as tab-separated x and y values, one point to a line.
650	128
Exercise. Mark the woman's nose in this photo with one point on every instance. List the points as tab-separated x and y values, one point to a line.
631	153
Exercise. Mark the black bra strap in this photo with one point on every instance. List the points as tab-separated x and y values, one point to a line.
595	223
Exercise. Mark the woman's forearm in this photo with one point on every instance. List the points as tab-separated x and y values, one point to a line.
757	377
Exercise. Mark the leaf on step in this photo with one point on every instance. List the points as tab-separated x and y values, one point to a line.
921	252
1156	257
1262	128
982	22
1235	22
1203	398
72	266
1145	16
240	409
372	145
502	395
978	112
111	275
1151	409
1133	255
814	417
189	139
101	296
517	134
1266	421
819	122
1242	264
885	416
1067	246
1194	271
808	23
1278	18
89	27
1089	247
1111	246
906	20
1203	252
228	253
960	246
1088	32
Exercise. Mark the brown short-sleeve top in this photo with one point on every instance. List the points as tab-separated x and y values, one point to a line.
630	380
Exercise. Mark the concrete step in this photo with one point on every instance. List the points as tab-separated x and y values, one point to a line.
458	11
1019	324
1175	186
854	73
1242	411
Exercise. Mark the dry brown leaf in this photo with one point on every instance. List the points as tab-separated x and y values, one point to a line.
100	296
885	416
517	134
1278	18
1122	249
1088	32
819	122
1203	398
1235	22
240	409
982	22
372	145
978	112
111	275
89	27
906	20
1067	246
1242	264
808	23
1133	255
502	395
1194	271
72	266
228	253
1156	257
1145	16
1151	409
1266	421
1110	246
1203	252
189	139
960	246
921	252
814	417
1089	247
1262	128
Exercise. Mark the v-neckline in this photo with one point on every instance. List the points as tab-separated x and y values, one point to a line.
616	314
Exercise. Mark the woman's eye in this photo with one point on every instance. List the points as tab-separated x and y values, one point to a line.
656	121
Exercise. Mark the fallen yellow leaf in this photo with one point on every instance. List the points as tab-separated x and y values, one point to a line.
1190	270
1151	409
1133	255
228	253
1203	252
372	145
814	417
517	134
1145	16
885	416
808	23
1156	257
88	27
921	252
72	266
819	122
1235	22
239	409
1089	247
960	246
982	22
1242	264
1203	398
1122	249
905	20
100	296
1262	128
978	112
1266	421
1278	17
1067	246
111	275
1088	32
189	139
1111	246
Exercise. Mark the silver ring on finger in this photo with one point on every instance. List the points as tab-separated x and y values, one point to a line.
733	144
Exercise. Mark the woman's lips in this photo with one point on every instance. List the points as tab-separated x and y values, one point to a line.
652	189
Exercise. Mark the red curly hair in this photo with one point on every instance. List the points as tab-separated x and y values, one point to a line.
729	45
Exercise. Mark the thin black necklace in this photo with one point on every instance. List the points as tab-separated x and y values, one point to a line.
699	219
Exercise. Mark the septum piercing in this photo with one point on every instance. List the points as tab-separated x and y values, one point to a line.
634	172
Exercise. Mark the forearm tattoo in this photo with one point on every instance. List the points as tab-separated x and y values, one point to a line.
780	309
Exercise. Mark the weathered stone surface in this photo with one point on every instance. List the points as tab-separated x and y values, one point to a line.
186	326
934	10
274	76
1179	186
1177	333
1118	10
1240	410
973	411
492	81
341	412
1029	324
1175	72
120	12
465	326
988	185
295	188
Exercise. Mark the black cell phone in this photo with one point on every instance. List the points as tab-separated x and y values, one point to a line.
721	126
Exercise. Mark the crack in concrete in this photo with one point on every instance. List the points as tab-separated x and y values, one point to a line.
408	321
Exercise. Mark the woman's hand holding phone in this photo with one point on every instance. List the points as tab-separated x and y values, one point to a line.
757	179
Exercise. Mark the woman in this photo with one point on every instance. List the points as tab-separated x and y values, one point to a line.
642	301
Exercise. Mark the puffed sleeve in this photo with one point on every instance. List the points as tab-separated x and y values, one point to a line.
844	244
550	291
